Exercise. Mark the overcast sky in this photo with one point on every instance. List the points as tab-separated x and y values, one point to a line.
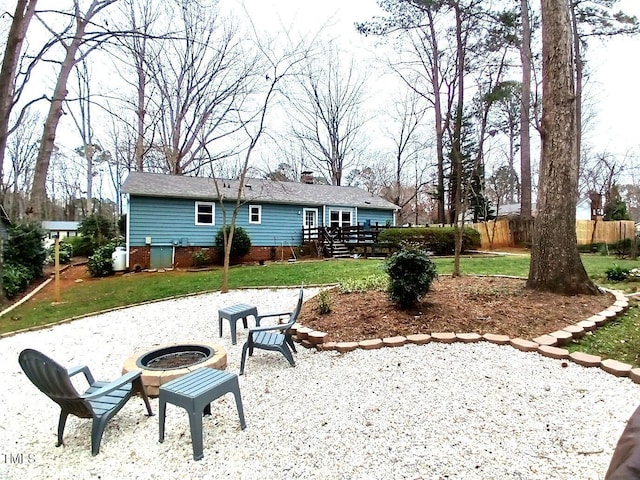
613	66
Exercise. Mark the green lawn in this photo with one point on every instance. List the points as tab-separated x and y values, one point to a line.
620	339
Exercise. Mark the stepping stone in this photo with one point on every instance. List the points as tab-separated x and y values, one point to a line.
598	319
547	340
634	375
394	341
316	337
553	352
574	330
587	325
523	345
615	367
585	359
468	337
444	337
562	336
419	338
498	339
303	333
346	346
371	344
327	346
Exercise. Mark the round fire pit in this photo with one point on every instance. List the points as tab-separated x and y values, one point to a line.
168	362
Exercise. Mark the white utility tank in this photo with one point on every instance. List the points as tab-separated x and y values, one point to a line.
119	259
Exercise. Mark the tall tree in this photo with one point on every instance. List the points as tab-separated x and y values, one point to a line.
280	64
24	12
555	262
75	36
328	118
407	119
525	112
200	75
593	18
424	66
141	16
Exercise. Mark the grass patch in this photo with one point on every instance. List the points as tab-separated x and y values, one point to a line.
619	339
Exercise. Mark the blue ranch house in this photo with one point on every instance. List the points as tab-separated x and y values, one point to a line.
172	216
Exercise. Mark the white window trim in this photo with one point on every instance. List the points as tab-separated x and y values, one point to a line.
213	213
340	211
259	207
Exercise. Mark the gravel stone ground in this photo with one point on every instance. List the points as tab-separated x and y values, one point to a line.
435	411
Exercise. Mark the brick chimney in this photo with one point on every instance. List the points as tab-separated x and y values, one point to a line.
306	176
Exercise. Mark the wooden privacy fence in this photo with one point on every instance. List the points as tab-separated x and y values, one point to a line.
510	233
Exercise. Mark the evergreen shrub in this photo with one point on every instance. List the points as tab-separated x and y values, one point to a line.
100	264
15	278
240	246
24	247
411	273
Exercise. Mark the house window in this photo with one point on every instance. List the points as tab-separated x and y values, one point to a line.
340	218
205	213
255	213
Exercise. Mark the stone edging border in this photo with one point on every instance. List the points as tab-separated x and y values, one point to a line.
546	345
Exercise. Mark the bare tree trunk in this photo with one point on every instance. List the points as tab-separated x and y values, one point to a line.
579	72
38	189
555	262
21	19
525	135
457	144
437	107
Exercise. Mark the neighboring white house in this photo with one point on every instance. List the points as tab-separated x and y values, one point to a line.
583	209
60	229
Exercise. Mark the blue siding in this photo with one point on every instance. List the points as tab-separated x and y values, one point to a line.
381	217
359	216
169	220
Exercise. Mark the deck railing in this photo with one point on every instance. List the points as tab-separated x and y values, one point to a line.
351	236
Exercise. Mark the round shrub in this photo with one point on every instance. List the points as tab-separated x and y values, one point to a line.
15	278
240	246
24	247
411	273
64	254
617	273
100	264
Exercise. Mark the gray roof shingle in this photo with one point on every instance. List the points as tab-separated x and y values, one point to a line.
256	190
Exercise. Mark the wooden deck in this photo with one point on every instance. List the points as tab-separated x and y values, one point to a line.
345	241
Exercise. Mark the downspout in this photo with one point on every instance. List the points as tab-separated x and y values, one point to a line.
128	229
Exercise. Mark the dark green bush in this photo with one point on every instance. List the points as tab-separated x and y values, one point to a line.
617	273
100	264
324	302
438	240
240	246
24	247
15	278
64	254
411	273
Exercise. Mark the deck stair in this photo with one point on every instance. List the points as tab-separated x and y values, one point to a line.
340	250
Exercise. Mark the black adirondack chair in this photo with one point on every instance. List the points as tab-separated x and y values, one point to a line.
101	401
273	337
